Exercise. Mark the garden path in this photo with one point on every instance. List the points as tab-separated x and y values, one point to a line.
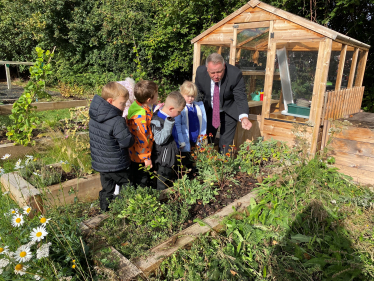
15	92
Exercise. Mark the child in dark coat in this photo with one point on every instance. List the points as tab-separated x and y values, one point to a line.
110	139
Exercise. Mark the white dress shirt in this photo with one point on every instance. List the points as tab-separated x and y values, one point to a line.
212	84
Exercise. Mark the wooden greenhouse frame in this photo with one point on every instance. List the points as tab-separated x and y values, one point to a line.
280	29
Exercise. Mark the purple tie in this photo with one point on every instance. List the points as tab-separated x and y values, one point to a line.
216	120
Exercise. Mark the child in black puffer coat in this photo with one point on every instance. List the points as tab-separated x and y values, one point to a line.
110	139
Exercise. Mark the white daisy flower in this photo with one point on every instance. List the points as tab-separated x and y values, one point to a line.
37	277
6	156
13	211
23	254
36	174
26	210
43	251
1	271
38	234
43	220
20	269
4	263
17	220
4	250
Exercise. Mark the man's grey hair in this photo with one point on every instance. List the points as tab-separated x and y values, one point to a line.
215	58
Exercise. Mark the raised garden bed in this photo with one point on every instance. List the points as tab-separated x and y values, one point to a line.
17	151
233	195
145	266
23	193
42	106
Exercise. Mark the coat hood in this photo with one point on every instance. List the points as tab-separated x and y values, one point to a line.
101	110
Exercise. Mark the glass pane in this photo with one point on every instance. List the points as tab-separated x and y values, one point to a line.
333	70
302	66
347	69
252	38
206	50
358	60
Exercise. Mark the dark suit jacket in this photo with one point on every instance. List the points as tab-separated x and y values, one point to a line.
232	96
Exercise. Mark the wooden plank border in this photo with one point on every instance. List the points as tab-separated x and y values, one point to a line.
43	106
178	241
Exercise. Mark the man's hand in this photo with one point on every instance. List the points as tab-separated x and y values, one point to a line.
148	162
246	124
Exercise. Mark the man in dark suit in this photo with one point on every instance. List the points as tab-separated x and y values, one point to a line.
225	100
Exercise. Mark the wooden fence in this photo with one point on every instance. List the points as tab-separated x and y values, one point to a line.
342	102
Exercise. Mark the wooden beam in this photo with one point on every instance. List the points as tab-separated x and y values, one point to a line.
339	75
222	22
233	47
319	90
16	62
8	80
353	68
196	59
250	25
361	68
268	87
217	37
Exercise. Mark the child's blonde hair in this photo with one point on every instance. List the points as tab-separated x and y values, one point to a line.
114	90
188	89
175	99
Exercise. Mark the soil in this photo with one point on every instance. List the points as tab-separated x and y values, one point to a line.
4	138
63	128
361	120
228	193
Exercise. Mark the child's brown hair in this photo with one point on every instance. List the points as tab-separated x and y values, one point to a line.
114	90
145	90
188	88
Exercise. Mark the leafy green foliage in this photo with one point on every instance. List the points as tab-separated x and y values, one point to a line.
192	190
144	209
23	114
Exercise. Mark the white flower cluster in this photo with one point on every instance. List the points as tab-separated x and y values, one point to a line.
18	165
29	158
6	156
24	254
43	251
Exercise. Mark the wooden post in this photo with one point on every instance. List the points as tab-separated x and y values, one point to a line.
7	73
269	73
339	75
319	90
196	59
353	69
361	68
233	46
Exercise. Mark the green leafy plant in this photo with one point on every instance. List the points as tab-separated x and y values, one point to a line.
143	209
192	190
23	113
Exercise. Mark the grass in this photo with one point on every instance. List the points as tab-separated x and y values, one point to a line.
49	116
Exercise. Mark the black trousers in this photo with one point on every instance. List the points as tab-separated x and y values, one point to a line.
108	183
187	161
165	177
227	131
139	177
